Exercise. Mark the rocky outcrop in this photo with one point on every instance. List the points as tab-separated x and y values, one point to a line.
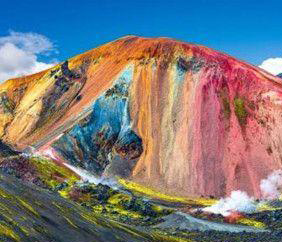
6	151
103	141
180	117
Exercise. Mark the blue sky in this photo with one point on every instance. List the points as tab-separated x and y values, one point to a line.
249	30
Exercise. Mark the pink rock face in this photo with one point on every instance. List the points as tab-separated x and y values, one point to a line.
212	129
209	123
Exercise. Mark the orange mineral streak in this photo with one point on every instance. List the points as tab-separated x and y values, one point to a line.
207	131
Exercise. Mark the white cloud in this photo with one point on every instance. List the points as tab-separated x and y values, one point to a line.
272	65
19	54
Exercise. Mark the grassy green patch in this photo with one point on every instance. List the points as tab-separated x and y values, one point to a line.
240	111
52	174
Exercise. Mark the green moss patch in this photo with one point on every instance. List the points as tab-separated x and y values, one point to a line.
240	111
116	205
54	176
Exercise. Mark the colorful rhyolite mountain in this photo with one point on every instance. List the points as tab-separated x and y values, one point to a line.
179	117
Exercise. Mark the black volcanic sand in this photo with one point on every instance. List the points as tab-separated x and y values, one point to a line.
32	214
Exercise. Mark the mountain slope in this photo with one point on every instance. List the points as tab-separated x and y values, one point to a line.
180	117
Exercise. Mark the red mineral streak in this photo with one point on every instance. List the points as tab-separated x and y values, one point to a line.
233	217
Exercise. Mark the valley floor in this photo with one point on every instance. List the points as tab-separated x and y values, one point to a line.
44	201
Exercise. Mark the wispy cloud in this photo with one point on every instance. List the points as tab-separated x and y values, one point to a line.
19	54
272	65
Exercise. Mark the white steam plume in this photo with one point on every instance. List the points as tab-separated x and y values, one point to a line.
238	201
271	186
88	177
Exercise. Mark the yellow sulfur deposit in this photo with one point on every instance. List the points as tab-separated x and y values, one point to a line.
158	195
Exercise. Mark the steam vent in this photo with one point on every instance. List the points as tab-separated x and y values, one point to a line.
178	117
